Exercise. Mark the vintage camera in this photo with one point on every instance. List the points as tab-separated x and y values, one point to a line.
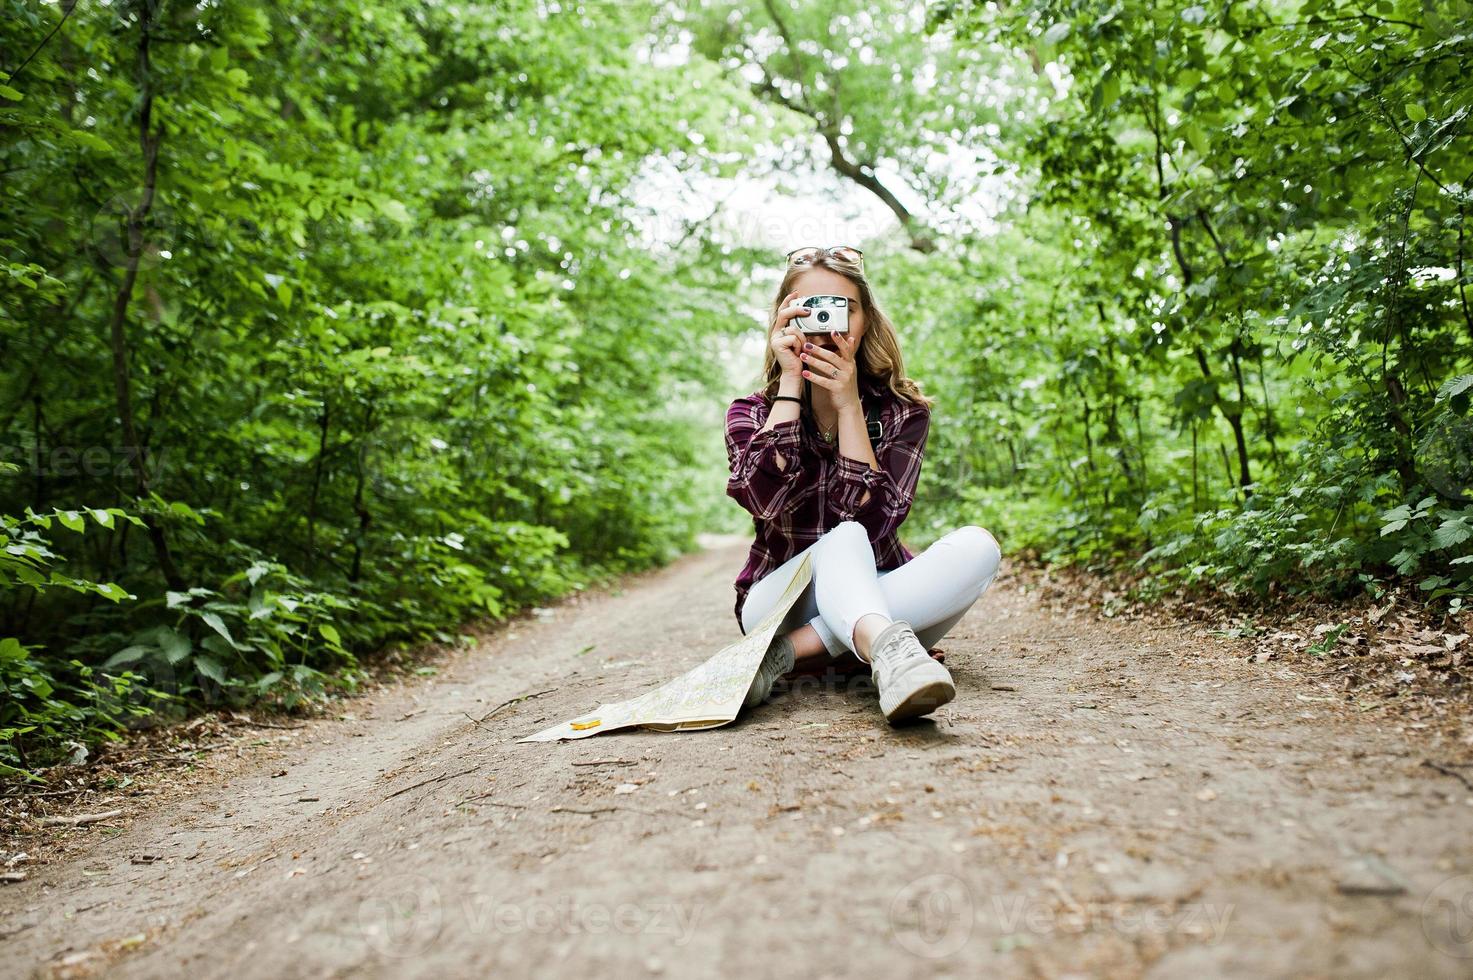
830	314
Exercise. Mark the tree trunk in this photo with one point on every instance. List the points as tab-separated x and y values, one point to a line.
149	138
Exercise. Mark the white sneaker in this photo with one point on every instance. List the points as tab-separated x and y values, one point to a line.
776	662
910	682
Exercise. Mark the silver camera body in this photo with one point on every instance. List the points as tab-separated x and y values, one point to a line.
830	314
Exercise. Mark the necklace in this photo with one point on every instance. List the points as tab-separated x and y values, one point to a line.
829	436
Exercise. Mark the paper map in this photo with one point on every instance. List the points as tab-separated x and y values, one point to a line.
706	696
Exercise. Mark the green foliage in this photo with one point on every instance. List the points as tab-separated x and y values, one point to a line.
349	308
327	328
49	707
262	632
1222	325
46	704
1225	330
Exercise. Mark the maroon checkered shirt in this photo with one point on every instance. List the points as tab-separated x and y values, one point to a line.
792	508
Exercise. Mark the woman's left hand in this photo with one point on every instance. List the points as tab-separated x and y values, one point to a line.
834	370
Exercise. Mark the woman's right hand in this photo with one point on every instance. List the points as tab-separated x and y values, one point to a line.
787	339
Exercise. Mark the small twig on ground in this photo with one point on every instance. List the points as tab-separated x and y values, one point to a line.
609	809
50	792
1448	772
608	762
80	819
482	799
245	720
186	755
475	722
505	704
436	779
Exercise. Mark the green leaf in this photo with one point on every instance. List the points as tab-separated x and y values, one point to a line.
395	210
38	684
1057	33
214	644
1197	139
180	509
127	655
72	520
176	646
330	633
1415	112
14	95
1396	518
92	141
113	591
1454	386
214	622
211	668
1451	533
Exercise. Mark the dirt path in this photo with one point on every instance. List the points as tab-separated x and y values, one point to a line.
1102	799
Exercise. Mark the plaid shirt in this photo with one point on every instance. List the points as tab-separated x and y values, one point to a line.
792	508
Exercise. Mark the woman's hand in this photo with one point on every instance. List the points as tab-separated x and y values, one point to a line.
787	338
834	370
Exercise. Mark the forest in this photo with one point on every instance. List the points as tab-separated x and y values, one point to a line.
329	329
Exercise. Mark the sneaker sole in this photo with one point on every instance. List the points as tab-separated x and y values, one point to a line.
922	701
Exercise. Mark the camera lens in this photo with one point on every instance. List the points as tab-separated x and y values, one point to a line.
823	316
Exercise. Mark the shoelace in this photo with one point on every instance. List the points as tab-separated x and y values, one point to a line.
776	662
891	652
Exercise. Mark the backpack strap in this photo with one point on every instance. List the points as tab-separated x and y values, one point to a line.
872	422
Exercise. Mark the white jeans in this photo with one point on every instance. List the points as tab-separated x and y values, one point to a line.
930	592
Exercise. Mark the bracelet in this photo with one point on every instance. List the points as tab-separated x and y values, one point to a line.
791	398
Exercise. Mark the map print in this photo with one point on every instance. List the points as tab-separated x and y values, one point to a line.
707	696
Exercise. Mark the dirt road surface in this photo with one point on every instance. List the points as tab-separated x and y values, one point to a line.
1102	799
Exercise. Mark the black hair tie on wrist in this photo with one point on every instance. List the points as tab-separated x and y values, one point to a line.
791	398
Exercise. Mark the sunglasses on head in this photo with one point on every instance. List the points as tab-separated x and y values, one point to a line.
806	254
